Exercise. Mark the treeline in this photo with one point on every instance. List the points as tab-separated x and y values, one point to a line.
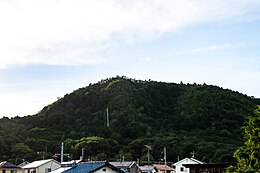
182	117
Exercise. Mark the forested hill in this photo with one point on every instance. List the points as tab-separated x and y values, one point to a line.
184	118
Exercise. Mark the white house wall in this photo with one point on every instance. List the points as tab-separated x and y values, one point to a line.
179	164
108	170
53	165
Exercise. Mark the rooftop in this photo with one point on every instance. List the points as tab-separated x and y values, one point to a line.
59	170
36	164
163	167
122	164
88	167
6	164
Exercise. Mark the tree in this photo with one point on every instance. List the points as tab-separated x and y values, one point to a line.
21	151
248	156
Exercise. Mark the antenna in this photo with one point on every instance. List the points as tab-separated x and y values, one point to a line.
107	118
192	154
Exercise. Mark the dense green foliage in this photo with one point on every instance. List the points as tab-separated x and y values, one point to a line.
248	156
184	118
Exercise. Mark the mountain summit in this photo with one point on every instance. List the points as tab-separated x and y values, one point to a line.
118	116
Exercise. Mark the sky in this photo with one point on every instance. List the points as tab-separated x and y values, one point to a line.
49	48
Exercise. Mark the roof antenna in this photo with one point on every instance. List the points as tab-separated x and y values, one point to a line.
192	154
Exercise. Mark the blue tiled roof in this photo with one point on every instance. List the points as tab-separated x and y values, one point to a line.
86	167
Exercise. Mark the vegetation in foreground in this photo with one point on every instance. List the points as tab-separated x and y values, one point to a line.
248	156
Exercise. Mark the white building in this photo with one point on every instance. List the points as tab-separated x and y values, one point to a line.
179	168
41	166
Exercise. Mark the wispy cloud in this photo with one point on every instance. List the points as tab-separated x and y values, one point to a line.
73	32
219	47
28	99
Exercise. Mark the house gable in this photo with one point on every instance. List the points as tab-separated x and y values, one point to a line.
187	161
126	166
41	166
105	169
179	168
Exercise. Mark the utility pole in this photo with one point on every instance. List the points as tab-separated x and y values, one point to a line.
61	154
82	154
165	163
107	119
148	152
148	155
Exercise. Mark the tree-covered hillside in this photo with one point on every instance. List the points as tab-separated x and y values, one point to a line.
184	118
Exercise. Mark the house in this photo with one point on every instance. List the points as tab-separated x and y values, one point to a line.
180	168
94	167
128	167
148	169
208	167
41	166
70	163
61	170
23	164
161	168
7	167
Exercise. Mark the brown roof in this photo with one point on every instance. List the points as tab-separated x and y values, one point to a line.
163	167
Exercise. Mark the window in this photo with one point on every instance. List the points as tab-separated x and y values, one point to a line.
47	170
3	171
13	171
104	170
182	169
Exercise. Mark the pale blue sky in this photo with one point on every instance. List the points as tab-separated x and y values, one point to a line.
50	48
